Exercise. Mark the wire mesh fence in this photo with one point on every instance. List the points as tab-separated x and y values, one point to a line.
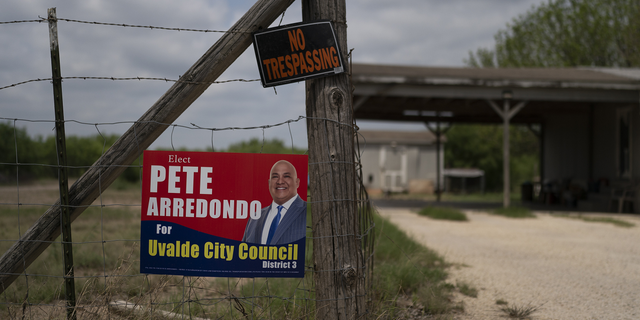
106	244
106	236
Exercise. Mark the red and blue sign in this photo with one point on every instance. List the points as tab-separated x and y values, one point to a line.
196	206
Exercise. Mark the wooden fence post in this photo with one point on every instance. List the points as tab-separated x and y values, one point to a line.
140	136
337	250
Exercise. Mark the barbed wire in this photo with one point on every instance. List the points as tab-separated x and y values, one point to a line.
42	19
151	27
22	21
193	126
125	78
128	79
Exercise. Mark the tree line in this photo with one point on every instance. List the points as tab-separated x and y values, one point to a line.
37	158
468	146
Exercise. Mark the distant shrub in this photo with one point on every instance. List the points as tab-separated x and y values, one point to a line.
443	213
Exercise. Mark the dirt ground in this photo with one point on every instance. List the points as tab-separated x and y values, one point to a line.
567	268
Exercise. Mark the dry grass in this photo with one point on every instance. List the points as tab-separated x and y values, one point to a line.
106	258
519	312
467	289
106	263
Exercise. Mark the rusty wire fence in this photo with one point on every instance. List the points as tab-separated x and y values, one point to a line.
106	241
106	244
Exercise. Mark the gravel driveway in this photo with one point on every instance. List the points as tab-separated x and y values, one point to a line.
572	269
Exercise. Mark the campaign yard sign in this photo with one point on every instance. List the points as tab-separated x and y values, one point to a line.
195	209
297	52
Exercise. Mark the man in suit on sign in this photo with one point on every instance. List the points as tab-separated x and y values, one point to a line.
285	220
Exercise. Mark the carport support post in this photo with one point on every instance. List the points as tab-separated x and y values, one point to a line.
438	131
506	113
506	176
438	173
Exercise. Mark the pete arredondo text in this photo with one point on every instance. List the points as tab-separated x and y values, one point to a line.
168	178
301	61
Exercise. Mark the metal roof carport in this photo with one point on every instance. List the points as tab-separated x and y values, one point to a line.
488	95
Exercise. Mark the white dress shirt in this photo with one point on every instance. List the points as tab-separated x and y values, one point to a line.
272	214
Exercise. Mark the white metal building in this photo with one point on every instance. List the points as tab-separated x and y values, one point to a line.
399	161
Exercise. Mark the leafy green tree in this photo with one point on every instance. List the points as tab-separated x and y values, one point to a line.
82	153
568	33
480	146
37	157
29	151
256	145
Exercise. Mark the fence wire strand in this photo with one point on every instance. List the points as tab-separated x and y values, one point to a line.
129	79
125	25
151	27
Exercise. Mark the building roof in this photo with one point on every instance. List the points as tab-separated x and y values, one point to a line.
399	137
520	77
429	94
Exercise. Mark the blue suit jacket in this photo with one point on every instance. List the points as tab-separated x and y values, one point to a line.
291	228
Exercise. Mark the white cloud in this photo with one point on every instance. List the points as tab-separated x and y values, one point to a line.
420	32
428	32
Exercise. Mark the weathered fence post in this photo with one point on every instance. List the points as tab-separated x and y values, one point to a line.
337	251
63	179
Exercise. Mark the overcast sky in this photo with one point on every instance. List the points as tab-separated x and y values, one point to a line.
405	32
